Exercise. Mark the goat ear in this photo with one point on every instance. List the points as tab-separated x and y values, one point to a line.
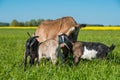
82	25
34	37
29	34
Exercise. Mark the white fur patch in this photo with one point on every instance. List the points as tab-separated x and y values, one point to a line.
89	54
70	30
63	38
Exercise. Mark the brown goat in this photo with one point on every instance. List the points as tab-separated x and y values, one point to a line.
50	29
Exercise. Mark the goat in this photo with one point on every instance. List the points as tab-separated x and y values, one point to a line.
49	49
86	50
31	50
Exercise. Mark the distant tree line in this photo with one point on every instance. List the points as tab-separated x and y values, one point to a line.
4	24
15	22
32	22
95	25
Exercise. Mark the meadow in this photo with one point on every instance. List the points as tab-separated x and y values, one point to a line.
12	48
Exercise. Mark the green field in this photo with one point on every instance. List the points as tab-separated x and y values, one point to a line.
11	55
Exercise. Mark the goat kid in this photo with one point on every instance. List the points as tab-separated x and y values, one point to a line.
86	50
50	49
31	48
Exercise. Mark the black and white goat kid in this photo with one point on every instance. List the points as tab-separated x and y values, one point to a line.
31	49
86	50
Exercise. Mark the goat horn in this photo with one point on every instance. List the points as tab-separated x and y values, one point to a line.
28	34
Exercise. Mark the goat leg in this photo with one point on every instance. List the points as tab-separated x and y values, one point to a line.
37	61
25	62
32	60
76	60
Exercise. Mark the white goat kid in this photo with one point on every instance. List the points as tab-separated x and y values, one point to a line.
50	49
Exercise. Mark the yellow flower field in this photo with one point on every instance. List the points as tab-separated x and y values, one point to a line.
101	28
85	28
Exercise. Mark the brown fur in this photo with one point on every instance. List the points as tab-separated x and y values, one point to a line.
77	51
52	28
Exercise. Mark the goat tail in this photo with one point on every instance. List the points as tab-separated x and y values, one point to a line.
111	48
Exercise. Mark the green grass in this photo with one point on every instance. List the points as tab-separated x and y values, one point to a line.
12	51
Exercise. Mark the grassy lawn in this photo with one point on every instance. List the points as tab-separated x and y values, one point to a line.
12	51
